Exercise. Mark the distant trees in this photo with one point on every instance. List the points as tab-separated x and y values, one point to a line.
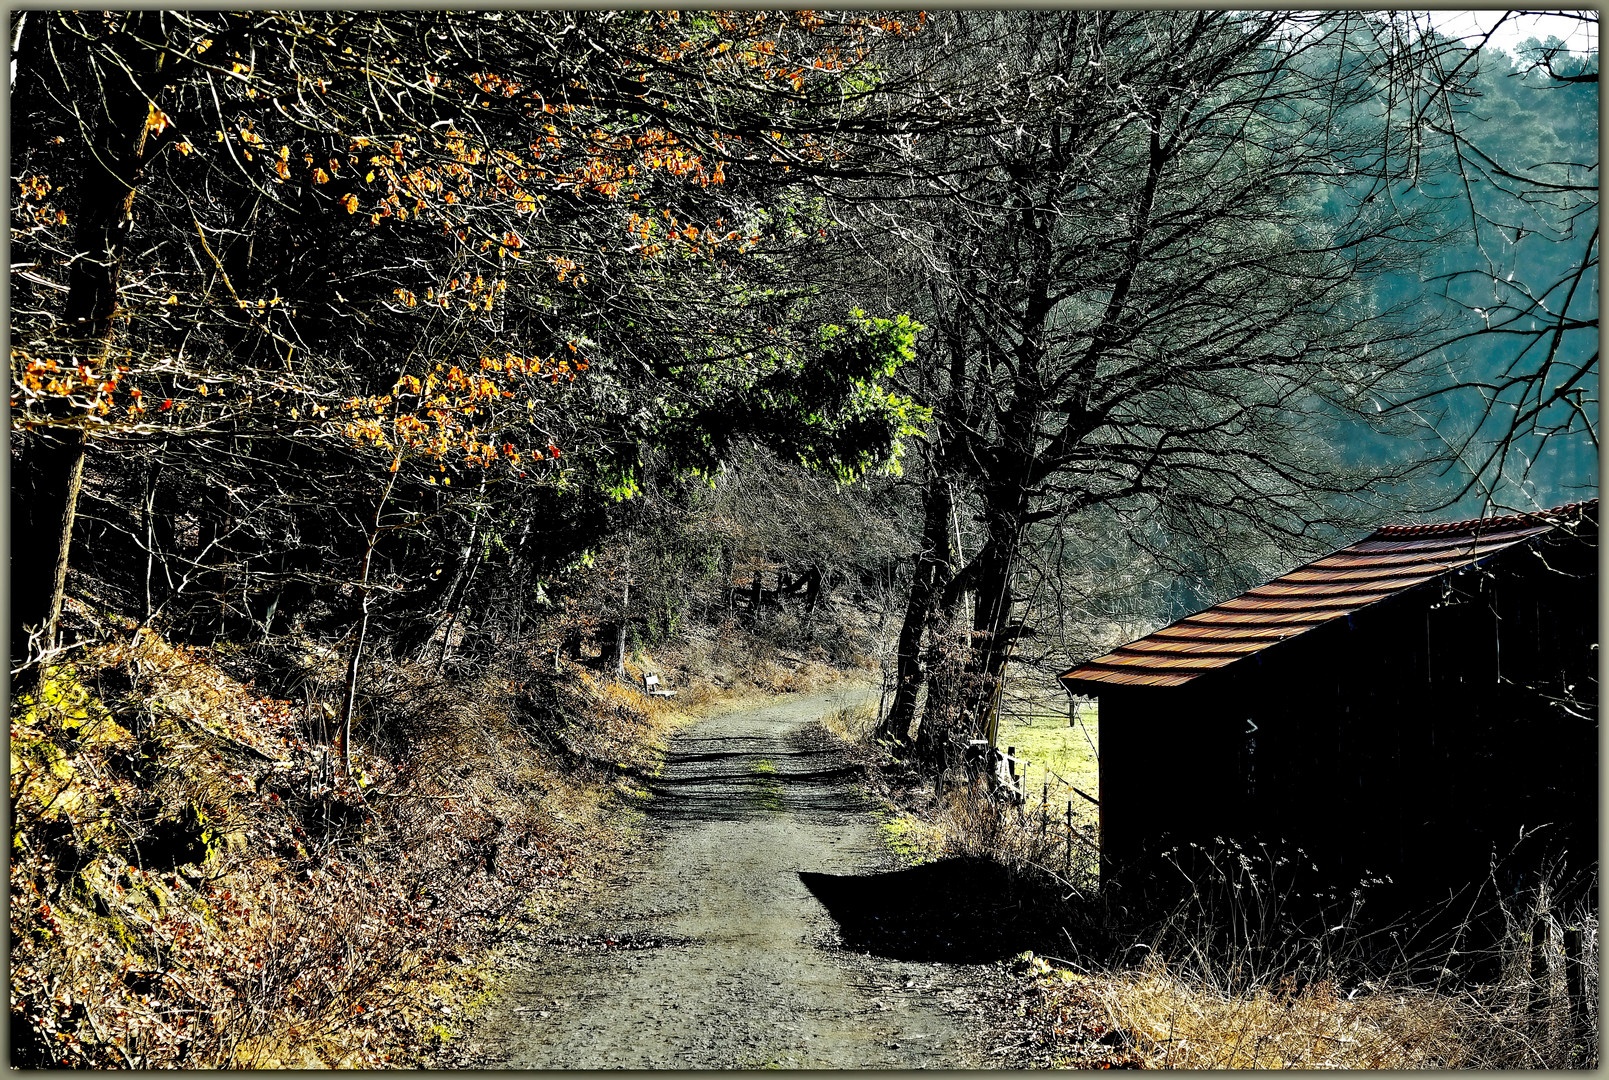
1148	292
1513	144
765	546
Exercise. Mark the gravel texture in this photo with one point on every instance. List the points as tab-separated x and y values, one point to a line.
714	952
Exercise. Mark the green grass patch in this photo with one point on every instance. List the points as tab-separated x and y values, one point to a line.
913	840
768	792
1069	753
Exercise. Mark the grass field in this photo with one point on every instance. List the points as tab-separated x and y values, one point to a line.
1066	754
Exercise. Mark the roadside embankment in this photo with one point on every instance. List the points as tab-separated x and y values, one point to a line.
195	882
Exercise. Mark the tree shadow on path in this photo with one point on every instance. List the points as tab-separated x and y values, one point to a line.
741	777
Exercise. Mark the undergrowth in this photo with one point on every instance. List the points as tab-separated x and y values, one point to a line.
194	885
1189	1004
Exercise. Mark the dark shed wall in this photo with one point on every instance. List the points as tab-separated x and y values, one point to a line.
1409	739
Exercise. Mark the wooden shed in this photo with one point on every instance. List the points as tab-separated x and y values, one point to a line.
1403	706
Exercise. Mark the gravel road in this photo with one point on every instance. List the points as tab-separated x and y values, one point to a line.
715	953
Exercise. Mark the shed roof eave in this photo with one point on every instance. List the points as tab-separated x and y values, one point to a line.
1097	686
1404	560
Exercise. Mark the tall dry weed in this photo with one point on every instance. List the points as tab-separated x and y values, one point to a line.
1179	1021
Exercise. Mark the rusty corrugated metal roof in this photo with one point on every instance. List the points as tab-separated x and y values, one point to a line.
1388	561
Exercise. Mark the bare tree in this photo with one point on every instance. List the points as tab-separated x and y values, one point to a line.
1146	294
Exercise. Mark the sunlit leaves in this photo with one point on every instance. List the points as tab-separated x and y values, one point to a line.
452	414
483	199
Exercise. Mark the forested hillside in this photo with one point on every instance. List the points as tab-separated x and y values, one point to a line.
390	391
1516	279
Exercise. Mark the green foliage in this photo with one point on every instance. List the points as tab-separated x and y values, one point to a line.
833	414
61	701
767	789
912	840
822	404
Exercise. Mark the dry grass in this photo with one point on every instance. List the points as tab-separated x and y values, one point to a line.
1021	838
854	724
193	886
1179	1019
1182	1023
1260	994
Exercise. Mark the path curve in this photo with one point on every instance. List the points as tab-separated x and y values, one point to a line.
713	953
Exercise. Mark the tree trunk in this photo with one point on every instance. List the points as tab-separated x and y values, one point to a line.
617	656
452	619
614	650
72	460
933	572
992	630
813	586
947	665
468	562
456	588
148	526
757	591
965	674
349	700
108	184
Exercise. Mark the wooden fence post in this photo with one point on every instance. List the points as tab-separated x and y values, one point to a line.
1022	796
1541	988
1574	983
1067	871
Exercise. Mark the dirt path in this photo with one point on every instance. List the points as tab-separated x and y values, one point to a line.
716	952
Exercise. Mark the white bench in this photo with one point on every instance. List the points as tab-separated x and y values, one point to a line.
651	685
